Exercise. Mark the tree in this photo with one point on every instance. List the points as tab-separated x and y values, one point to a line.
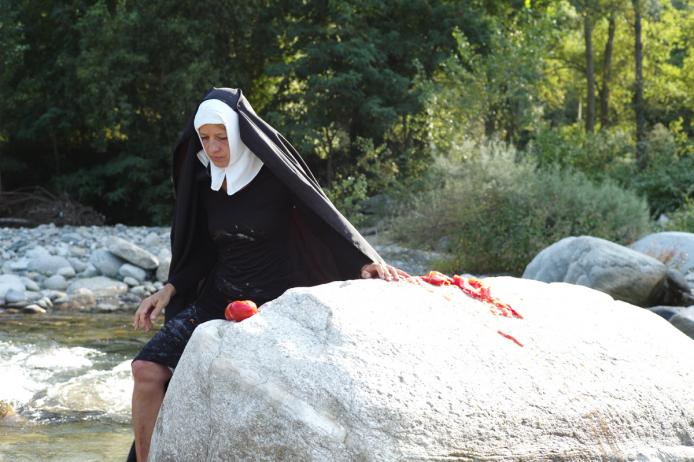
639	108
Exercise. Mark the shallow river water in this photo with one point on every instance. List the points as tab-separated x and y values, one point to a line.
68	378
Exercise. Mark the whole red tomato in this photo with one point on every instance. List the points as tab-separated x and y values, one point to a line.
238	310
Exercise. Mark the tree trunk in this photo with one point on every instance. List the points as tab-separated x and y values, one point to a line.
590	74
639	110
607	73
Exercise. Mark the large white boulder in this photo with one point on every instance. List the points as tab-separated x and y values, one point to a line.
602	265
370	370
674	248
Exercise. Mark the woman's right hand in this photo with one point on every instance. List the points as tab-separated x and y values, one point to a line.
151	306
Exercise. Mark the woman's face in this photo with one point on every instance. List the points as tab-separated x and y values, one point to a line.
214	140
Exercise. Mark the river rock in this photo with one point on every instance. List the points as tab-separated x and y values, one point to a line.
56	282
602	265
77	264
135	272
370	370
10	281
30	284
684	321
132	282
32	296
674	248
106	262
14	295
104	289
664	311
48	264
81	298
132	253
33	309
163	268
37	252
89	272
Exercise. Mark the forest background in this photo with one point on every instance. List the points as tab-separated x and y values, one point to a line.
484	128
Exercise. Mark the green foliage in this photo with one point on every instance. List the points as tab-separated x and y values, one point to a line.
682	219
666	182
499	211
347	193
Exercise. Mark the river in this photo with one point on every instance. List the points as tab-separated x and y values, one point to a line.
67	375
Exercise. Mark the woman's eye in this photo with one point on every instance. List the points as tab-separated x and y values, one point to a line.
222	138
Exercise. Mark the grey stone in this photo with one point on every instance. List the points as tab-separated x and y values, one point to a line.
135	272
71	237
33	309
66	272
675	249
139	290
56	282
131	281
32	296
30	284
54	295
684	321
107	306
81	299
104	289
90	271
665	312
152	240
370	370
14	296
163	268
10	281
132	253
78	264
106	262
48	264
602	265
37	252
44	302
77	251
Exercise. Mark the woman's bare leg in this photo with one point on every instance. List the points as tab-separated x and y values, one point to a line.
148	394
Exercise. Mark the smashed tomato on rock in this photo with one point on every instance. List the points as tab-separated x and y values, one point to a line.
476	289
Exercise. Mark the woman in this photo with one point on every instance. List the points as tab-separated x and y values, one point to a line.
250	222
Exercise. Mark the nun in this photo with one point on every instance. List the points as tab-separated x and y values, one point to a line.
250	221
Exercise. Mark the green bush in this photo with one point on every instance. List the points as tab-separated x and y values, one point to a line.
665	182
682	219
497	211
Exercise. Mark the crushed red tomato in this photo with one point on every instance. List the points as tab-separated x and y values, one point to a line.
476	289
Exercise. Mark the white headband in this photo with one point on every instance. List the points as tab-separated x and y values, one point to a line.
243	164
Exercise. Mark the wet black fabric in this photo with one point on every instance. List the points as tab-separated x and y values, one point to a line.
167	345
323	246
248	234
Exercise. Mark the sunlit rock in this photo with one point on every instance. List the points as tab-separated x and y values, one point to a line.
370	370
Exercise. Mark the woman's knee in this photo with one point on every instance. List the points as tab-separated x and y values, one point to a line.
149	372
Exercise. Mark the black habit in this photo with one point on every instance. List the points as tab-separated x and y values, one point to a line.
323	245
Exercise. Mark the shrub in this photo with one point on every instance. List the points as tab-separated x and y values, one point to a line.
682	219
497	211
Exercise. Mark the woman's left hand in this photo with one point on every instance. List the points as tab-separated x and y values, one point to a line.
382	271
